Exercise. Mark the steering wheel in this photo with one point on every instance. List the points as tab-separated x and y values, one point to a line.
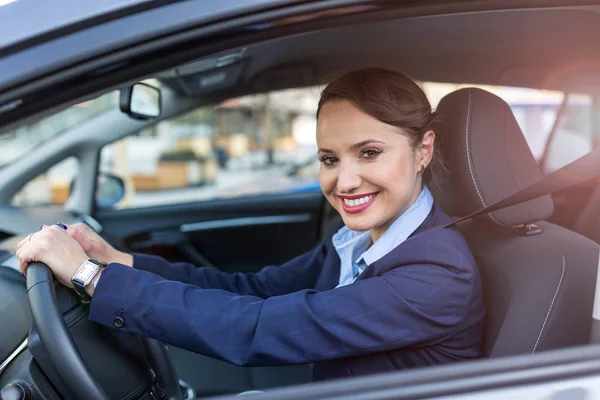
63	352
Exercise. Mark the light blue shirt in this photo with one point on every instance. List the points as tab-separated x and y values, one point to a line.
356	250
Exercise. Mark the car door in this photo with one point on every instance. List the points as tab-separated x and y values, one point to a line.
140	227
571	374
233	186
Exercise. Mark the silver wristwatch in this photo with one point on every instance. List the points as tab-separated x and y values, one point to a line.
84	275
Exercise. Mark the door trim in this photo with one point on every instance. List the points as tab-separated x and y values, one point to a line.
247	221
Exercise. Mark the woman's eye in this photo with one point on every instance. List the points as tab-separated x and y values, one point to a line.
369	153
327	160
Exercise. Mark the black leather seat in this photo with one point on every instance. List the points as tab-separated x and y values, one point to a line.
539	278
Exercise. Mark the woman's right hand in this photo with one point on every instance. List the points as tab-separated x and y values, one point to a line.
96	247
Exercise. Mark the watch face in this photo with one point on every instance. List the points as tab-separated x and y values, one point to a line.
86	271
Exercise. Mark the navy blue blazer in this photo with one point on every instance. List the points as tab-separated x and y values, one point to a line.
421	304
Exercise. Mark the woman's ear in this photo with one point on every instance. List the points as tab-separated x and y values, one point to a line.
425	150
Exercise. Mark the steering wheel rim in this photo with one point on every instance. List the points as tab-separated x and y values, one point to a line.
62	350
55	336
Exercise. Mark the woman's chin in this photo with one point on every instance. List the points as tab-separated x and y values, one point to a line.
356	224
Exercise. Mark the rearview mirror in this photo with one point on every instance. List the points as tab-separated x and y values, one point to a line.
140	101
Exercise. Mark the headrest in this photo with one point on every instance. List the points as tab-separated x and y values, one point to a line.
487	159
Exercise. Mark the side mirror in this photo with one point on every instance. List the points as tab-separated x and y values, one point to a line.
140	101
110	189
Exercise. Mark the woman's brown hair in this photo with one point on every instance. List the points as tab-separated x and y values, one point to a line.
390	97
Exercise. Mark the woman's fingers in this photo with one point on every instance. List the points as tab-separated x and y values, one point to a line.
24	255
42	227
31	249
27	239
23	267
53	246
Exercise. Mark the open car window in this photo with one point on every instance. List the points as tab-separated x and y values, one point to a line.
245	146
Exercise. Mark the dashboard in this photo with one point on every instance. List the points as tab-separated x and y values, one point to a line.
15	221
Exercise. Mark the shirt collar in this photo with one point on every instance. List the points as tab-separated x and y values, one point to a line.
350	245
401	228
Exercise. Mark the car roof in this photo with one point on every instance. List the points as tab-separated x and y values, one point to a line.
519	48
22	20
33	42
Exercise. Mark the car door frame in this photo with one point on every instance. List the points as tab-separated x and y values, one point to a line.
515	372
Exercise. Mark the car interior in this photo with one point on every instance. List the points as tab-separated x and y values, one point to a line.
538	260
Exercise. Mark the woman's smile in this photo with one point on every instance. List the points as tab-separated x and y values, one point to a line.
357	203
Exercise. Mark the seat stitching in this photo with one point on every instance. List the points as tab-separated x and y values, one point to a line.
562	275
470	162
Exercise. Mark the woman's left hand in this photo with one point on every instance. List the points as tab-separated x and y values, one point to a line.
55	248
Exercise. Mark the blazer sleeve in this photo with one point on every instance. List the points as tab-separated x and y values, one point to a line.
410	305
299	273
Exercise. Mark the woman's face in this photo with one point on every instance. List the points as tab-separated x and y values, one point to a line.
369	172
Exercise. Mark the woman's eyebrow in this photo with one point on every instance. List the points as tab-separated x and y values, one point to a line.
364	143
354	146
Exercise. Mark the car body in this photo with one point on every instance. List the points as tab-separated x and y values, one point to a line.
221	62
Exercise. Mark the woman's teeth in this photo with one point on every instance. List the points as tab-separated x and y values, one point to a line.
358	202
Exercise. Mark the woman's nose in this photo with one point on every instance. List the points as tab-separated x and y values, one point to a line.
348	178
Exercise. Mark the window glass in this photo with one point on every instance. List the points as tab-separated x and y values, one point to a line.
574	136
49	188
242	147
536	111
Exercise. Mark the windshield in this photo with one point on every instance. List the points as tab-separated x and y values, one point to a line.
20	141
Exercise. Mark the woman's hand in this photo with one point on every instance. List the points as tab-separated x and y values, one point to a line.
55	248
96	247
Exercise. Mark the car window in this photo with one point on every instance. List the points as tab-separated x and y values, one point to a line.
245	146
535	111
50	188
574	136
